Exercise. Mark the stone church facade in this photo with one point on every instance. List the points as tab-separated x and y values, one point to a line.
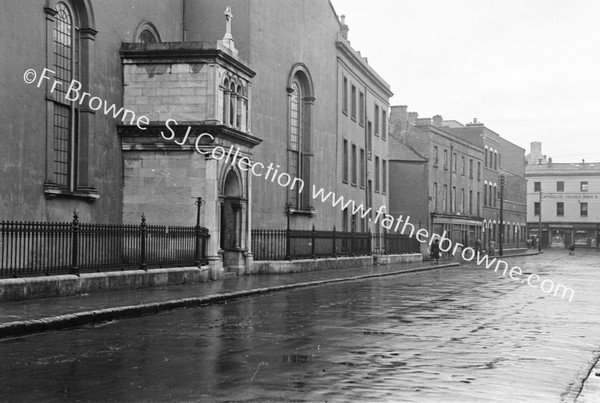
208	82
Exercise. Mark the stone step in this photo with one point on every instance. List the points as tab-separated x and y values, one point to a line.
229	274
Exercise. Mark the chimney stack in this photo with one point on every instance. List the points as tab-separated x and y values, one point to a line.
344	28
412	117
397	120
475	123
437	120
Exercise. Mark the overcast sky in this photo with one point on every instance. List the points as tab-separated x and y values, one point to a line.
527	69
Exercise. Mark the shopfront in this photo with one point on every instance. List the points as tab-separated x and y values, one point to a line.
562	235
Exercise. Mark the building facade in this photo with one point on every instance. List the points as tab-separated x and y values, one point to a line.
60	155
362	163
454	176
503	184
410	184
563	201
167	83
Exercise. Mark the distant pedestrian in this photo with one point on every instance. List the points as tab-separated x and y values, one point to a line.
492	247
478	245
435	251
572	249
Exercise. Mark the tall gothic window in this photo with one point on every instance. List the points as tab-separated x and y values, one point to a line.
295	138
65	122
299	145
69	44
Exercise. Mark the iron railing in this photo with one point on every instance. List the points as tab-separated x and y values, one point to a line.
396	244
284	244
308	244
41	248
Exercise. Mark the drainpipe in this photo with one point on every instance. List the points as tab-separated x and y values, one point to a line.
183	20
450	170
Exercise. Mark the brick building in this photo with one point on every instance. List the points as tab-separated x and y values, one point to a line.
464	170
409	186
500	158
453	176
563	199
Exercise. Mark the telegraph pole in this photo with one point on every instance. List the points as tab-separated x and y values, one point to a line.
501	226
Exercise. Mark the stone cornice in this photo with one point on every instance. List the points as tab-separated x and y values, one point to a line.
350	54
181	52
218	131
564	173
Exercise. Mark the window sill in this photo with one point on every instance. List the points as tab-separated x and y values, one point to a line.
52	191
345	112
307	211
353	184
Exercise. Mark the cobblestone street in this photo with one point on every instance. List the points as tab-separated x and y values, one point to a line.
457	334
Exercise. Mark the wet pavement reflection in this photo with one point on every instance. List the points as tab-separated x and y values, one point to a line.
460	334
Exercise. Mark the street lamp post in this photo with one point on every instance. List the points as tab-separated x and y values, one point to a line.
199	247
501	226
288	212
540	224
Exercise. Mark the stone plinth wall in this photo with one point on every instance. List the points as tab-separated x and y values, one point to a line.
294	266
391	259
163	185
14	289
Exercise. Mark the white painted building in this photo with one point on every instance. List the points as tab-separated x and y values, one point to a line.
566	196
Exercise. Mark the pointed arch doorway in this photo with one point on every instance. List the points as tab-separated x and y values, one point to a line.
233	209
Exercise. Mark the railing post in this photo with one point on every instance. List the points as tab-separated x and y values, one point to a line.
75	244
199	203
143	231
385	245
334	243
312	242
370	243
352	241
288	211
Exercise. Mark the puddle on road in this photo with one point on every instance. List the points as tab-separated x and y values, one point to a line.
296	358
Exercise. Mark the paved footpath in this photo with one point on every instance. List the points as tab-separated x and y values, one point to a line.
38	315
456	334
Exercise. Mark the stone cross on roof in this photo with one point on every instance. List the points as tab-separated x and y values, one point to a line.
228	18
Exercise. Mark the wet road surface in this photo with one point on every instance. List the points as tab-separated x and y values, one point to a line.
460	334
